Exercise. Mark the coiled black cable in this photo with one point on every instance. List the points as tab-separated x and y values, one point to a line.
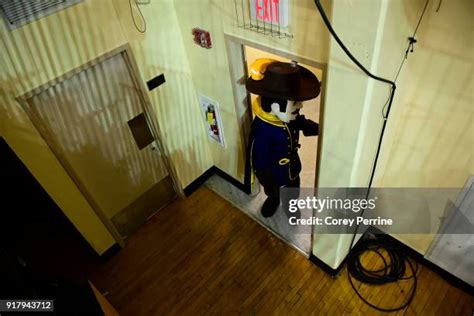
393	269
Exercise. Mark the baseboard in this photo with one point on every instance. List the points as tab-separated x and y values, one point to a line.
193	186
450	278
109	253
241	186
326	268
415	255
207	174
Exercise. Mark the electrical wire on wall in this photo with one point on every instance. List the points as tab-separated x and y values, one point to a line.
394	269
412	40
141	30
439	5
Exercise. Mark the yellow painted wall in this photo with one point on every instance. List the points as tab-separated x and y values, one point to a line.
356	23
347	94
430	134
32	55
45	49
160	50
429	140
210	67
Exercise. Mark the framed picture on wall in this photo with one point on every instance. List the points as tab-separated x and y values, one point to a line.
212	119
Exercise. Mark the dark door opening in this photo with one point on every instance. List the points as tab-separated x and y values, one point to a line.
34	232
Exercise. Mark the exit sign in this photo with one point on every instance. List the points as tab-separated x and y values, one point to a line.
270	11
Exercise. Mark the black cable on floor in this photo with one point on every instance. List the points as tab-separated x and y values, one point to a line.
392	271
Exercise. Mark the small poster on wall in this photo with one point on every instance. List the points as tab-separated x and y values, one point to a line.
212	117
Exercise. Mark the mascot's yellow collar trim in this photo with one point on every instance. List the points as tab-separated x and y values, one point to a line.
267	117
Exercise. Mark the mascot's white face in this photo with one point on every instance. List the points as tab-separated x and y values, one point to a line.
292	110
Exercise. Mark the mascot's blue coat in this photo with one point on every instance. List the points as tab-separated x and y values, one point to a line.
274	145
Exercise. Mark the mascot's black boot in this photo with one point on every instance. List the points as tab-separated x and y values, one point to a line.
269	207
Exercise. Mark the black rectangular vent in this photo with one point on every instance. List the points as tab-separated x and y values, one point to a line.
19	12
156	82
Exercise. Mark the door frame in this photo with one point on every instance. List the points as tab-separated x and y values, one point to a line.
232	42
126	51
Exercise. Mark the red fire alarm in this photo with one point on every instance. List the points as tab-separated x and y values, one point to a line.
202	38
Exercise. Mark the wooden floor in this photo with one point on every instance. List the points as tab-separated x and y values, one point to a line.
203	256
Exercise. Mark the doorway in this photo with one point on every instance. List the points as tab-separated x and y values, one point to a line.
97	123
311	108
241	54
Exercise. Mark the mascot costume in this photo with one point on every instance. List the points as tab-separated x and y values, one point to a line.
281	88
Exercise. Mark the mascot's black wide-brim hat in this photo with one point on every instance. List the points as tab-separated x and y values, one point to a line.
286	81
